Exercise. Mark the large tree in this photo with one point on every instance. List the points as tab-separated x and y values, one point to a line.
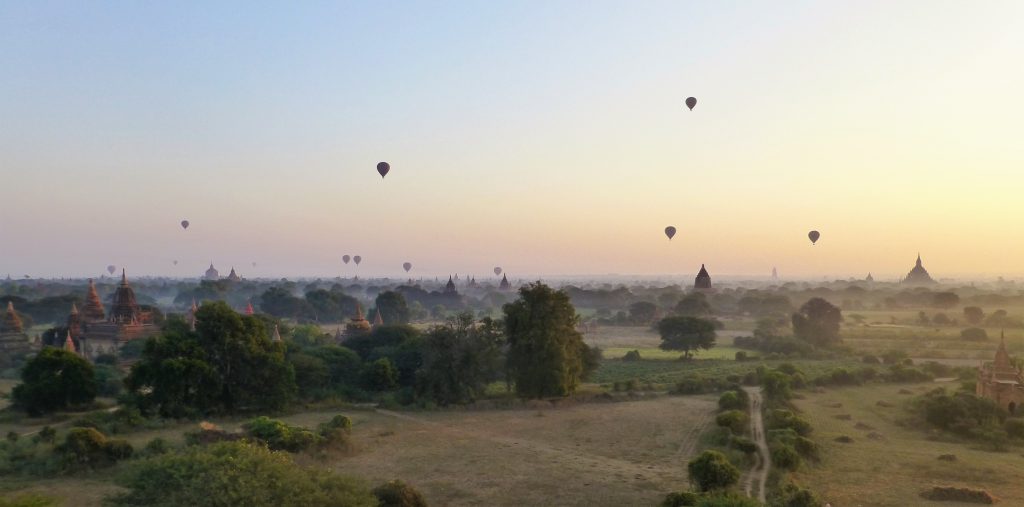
459	359
546	356
642	312
817	322
392	307
227	364
53	380
687	334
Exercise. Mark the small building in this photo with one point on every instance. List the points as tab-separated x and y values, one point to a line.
1000	381
703	279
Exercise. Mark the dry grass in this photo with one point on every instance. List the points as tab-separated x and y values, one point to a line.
629	453
898	462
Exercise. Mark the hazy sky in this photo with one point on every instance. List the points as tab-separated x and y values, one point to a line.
548	137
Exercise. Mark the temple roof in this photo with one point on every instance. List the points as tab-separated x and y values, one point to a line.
233	276
918	274
504	283
377	319
449	288
212	273
276	338
69	344
93	306
703	279
125	308
12	322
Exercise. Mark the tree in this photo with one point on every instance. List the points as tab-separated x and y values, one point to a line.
546	353
398	494
236	473
973	315
712	471
460	358
693	305
642	312
687	334
817	322
228	363
945	300
55	380
975	334
392	307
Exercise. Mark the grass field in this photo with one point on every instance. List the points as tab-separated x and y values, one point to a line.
894	465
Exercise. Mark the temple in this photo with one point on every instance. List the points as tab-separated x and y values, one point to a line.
918	275
95	335
211	273
14	342
356	325
232	276
377	319
703	279
504	285
1000	381
869	278
449	288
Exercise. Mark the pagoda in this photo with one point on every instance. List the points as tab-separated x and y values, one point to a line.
449	287
377	319
232	276
127	321
14	343
918	275
703	279
212	273
504	285
93	311
1000	381
357	325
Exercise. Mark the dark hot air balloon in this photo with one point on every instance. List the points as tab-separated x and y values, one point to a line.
254	264
184	224
175	262
383	169
407	266
670	232
111	268
358	259
345	258
690	102
814	235
497	271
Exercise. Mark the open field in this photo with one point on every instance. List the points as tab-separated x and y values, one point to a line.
621	453
893	466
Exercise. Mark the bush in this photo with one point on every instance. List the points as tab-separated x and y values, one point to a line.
711	470
156	447
87	447
734	400
900	373
1014	428
680	499
795	496
954	494
806	447
974	334
744	445
279	436
736	421
741	355
54	379
785	419
785	457
119	449
380	375
632	355
870	359
235	473
398	494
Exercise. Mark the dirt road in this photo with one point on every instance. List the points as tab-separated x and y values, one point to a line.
757	478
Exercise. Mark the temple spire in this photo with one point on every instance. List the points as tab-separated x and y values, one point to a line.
69	344
277	335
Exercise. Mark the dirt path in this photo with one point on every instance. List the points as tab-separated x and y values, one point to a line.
758	474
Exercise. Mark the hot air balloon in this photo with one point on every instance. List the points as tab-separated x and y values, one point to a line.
184	224
497	271
254	264
690	102
175	262
345	258
383	169
814	235
407	266
670	232
111	268
358	259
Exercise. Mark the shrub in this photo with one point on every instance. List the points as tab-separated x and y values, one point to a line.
279	436
974	334
794	496
235	473
900	373
680	499
156	447
398	494
806	447
737	399
954	494
744	445
785	419
632	355
85	446
119	449
785	457
1014	428
870	359
741	355
735	420
711	470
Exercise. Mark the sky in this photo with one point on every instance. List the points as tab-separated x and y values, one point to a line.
546	137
